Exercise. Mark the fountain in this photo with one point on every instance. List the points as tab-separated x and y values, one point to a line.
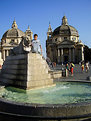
25	69
28	90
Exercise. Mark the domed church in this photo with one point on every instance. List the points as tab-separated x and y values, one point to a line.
63	45
11	38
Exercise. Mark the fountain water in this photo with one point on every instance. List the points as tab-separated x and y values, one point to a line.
62	93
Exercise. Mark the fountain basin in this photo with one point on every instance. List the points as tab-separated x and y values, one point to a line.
81	104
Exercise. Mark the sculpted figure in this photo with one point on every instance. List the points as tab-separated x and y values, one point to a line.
24	47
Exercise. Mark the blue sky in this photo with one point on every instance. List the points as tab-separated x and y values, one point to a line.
38	13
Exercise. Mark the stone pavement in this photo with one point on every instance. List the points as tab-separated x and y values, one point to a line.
78	74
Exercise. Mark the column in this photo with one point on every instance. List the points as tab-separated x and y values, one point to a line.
62	55
69	54
58	55
82	52
7	53
3	54
73	55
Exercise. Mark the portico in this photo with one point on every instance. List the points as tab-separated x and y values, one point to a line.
66	55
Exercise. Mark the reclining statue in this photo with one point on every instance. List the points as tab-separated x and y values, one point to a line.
23	47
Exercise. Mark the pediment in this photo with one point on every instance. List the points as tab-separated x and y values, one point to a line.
67	42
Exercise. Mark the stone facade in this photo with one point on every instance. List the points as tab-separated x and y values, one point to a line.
63	44
11	38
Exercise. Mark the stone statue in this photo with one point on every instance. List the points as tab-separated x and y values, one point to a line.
24	47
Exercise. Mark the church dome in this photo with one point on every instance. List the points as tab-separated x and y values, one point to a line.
13	32
65	29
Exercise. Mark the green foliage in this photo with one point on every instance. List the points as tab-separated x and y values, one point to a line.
87	53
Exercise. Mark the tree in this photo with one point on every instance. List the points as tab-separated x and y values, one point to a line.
87	54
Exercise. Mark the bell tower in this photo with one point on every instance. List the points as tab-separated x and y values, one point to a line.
49	33
29	33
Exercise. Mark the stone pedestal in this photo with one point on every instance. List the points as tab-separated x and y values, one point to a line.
27	71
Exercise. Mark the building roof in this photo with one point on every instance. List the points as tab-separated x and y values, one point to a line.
13	32
65	29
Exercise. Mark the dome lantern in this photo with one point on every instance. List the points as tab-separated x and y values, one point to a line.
14	25
64	21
